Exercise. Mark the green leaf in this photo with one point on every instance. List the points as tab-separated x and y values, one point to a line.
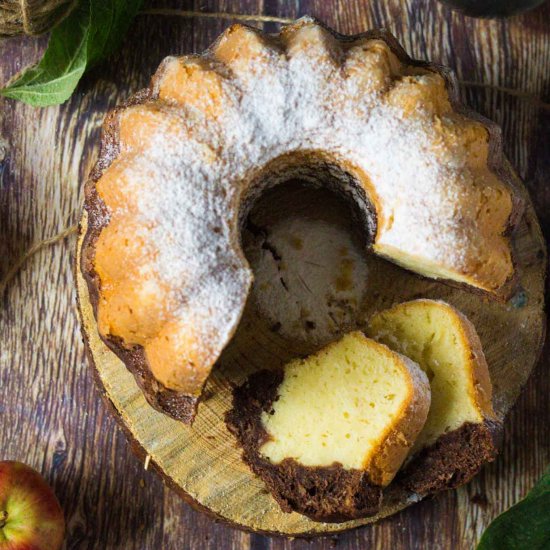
525	526
90	33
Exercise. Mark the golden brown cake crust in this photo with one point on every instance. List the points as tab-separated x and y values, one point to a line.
331	494
176	403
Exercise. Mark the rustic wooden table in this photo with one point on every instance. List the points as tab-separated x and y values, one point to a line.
53	418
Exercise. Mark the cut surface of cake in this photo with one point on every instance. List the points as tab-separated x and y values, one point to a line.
183	161
329	432
461	432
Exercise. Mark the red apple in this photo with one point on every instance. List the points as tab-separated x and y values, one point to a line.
30	515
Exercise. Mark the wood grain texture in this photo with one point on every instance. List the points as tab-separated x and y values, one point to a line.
52	415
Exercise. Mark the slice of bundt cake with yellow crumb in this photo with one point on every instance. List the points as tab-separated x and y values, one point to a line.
462	431
329	432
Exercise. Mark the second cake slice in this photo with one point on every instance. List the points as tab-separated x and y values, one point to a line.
462	431
329	432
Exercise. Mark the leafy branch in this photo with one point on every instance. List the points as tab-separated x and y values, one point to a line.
92	31
526	525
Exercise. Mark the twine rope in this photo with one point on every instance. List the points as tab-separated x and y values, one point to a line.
12	272
219	15
25	15
521	94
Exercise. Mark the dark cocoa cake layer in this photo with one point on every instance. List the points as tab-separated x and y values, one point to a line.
331	494
336	494
454	459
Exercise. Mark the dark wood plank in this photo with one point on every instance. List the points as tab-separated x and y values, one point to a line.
53	417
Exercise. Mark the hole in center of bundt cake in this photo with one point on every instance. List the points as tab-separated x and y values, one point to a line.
305	238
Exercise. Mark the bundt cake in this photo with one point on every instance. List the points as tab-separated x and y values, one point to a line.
462	432
329	432
182	162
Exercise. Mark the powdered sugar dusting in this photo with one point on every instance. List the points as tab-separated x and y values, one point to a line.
193	170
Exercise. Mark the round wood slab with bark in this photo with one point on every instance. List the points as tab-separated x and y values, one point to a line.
60	425
313	282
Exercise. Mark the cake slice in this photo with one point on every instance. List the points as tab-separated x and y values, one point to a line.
329	432
462	431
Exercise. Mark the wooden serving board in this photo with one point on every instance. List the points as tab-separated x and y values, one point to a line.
313	283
